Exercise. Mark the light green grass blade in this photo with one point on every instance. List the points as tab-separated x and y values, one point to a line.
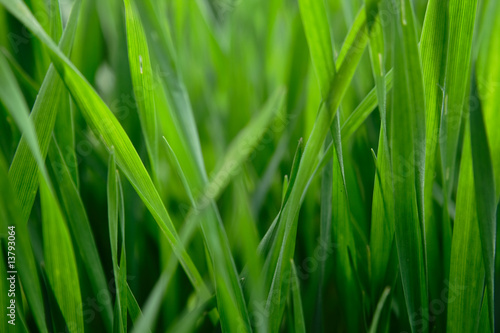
488	71
484	184
467	273
79	227
100	118
458	60
23	169
142	79
408	146
60	261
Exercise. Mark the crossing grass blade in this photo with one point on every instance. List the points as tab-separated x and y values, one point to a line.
298	313
23	169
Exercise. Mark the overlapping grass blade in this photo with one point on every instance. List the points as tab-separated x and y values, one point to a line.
284	245
23	169
103	122
25	261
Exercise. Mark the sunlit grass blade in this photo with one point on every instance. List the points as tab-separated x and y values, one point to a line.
458	61
142	79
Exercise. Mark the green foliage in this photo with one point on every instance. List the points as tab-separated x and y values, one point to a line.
250	165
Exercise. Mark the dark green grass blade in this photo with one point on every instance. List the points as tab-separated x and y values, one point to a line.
60	261
25	262
408	146
79	227
142	79
484	184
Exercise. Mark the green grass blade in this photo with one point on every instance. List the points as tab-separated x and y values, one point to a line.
298	313
79	226
408	146
142	79
467	273
284	245
484	184
26	265
458	60
60	261
378	310
23	169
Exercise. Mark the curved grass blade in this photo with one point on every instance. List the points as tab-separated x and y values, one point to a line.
408	148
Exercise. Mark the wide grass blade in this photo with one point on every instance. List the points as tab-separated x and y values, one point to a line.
408	162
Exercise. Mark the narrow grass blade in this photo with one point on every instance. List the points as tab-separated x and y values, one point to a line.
298	313
408	148
484	184
23	169
378	310
467	272
79	227
60	260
